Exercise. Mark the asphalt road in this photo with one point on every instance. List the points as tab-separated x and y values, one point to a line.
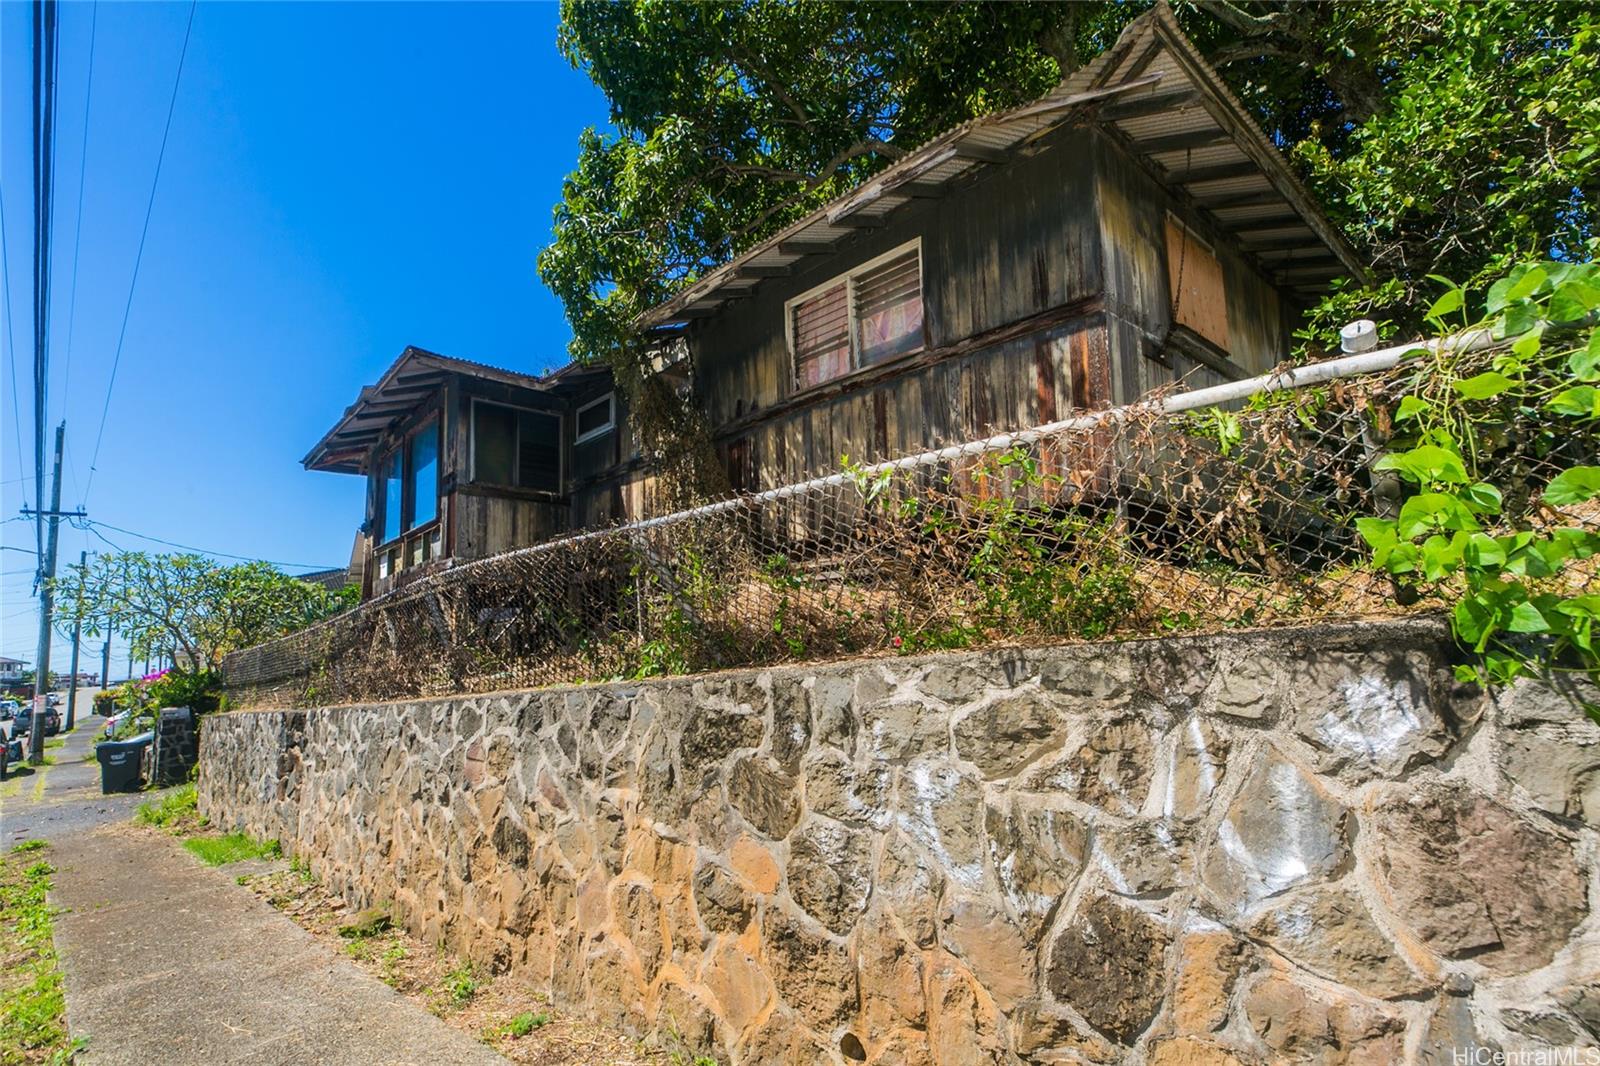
51	802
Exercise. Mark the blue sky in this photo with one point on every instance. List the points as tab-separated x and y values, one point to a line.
341	180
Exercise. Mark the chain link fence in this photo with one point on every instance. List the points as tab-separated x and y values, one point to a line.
1227	507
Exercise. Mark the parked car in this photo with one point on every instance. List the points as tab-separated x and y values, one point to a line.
22	720
7	709
52	721
10	752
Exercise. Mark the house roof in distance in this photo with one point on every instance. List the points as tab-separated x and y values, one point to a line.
1154	92
418	372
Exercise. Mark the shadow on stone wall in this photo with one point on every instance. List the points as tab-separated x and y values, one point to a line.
1300	845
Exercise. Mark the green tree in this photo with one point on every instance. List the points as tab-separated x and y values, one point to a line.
1446	137
193	608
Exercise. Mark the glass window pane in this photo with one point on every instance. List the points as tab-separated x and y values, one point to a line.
494	444
539	452
594	418
391	498
425	476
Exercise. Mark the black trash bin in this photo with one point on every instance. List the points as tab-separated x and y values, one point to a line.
121	762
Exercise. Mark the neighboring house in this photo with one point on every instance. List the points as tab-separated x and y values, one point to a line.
1131	229
464	460
333	579
11	669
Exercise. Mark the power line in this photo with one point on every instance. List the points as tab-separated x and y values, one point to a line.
11	337
93	526
138	258
77	229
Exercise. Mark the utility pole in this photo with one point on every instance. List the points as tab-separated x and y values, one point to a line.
105	664
77	633
47	574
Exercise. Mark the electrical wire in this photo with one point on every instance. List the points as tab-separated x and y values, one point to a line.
94	527
161	154
11	337
77	229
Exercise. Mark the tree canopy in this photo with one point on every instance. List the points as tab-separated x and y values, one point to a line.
1445	137
193	608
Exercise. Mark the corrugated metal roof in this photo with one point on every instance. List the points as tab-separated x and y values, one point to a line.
1156	94
411	377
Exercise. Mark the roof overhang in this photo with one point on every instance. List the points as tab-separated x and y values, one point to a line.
1156	94
413	377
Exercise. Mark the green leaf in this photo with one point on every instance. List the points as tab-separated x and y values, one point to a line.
1585	362
1573	486
1431	512
1411	407
1499	295
1473	619
1482	498
1377	532
1519	317
1450	301
1572	300
1441	555
1587	606
1580	401
1526	618
1426	463
1528	284
1483	551
1484	386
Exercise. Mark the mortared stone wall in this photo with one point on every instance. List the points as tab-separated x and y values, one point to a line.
1307	845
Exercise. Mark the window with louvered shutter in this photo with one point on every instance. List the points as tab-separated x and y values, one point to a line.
821	332
888	307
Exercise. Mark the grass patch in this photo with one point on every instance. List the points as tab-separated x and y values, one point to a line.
231	847
521	1025
33	1023
174	810
461	984
58	742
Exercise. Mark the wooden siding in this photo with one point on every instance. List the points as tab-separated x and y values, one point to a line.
1133	218
1011	273
487	523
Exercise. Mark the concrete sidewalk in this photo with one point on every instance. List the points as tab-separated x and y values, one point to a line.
169	961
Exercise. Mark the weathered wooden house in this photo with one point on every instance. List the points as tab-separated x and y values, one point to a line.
1133	228
464	460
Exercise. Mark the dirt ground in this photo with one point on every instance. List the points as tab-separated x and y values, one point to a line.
483	1005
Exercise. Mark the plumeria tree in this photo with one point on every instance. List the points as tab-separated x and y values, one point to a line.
192	608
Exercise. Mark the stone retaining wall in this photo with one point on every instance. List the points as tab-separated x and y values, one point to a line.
1308	845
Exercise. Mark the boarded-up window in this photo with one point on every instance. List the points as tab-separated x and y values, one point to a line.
1194	277
868	316
888	309
822	336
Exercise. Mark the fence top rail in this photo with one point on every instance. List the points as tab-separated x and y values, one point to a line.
1278	380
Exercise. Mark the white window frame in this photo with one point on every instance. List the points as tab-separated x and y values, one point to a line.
610	400
472	446
848	278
